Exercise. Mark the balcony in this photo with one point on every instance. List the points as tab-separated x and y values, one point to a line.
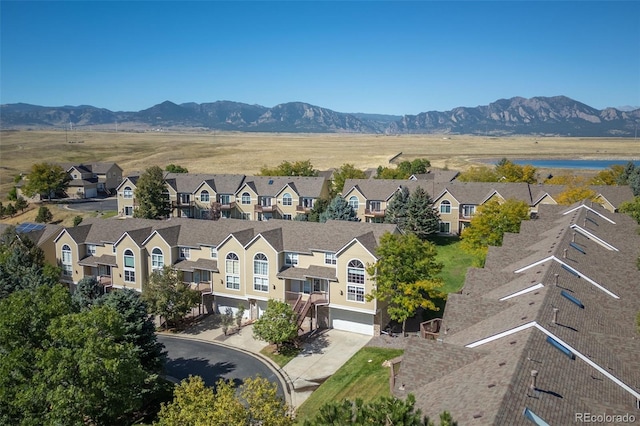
431	329
259	208
181	203
304	209
374	213
229	205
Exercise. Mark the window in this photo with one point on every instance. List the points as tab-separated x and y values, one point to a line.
286	217
67	265
468	210
157	259
353	202
307	203
375	206
355	281
260	272
445	206
127	192
91	249
225	199
445	227
128	211
214	252
129	266
265	201
290	258
232	269
185	252
329	258
246	198
246	216
204	196
286	199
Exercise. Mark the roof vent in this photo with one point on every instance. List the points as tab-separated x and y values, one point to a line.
534	380
564	253
556	278
555	315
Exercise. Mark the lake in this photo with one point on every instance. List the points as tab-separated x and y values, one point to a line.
574	164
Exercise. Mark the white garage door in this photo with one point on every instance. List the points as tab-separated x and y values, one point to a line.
354	322
91	193
223	303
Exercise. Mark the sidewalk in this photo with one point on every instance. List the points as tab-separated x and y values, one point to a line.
321	355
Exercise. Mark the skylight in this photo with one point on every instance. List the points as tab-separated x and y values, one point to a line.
530	415
560	347
573	299
577	247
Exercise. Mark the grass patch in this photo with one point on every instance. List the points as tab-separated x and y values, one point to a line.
108	214
358	378
281	358
455	261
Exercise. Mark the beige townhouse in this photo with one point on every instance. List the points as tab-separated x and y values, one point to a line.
320	268
232	196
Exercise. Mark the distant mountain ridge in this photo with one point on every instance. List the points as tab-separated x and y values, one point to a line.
558	115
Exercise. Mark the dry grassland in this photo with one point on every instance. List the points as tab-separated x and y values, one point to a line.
247	152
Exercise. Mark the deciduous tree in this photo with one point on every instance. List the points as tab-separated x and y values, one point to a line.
406	275
150	195
573	194
174	168
277	325
47	179
631	207
346	171
286	168
166	295
404	169
339	209
489	225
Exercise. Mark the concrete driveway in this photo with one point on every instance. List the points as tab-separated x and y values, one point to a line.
320	358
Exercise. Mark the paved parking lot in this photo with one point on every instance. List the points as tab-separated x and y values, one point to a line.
95	204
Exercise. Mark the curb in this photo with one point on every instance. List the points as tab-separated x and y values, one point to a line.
285	380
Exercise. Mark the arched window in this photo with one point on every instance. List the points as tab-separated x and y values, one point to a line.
67	263
445	206
157	259
204	196
246	198
232	271
127	192
353	202
286	199
355	281
129	267
260	272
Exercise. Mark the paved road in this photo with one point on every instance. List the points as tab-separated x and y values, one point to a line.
101	205
212	362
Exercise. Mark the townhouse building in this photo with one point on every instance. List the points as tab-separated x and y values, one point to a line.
319	268
86	180
544	334
456	201
232	196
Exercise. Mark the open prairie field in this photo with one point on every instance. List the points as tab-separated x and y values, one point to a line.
209	152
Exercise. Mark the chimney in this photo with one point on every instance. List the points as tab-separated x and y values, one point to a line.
555	315
573	238
556	277
564	253
534	376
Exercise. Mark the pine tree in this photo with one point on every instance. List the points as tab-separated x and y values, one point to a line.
422	218
397	209
44	215
339	209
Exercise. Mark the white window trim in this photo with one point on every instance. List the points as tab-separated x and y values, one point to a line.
129	269
291	258
260	277
161	255
184	252
233	275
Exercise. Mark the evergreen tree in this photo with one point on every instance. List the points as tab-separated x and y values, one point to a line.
422	218
44	215
150	195
21	204
87	292
397	208
319	207
10	210
339	209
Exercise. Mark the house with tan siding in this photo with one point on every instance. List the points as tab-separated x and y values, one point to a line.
318	267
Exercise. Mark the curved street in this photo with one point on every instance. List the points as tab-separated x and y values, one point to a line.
213	362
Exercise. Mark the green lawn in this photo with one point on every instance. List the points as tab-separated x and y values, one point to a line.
358	378
281	358
455	262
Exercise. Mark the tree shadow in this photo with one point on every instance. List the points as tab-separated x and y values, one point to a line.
182	368
204	323
314	342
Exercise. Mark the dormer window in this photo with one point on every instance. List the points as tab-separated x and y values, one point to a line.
91	249
290	258
185	252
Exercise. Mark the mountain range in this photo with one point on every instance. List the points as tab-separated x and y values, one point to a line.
553	116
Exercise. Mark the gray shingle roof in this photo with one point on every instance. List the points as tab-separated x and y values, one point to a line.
494	388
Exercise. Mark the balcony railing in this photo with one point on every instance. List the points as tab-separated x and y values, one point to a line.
182	203
304	209
374	212
431	329
202	286
228	206
265	209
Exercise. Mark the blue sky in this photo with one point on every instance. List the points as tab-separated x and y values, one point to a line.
365	56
